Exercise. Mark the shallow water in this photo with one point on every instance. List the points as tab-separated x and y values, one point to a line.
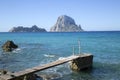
105	46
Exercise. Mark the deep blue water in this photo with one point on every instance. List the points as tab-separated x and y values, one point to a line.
104	45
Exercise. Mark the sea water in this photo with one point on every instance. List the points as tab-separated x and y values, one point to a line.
41	48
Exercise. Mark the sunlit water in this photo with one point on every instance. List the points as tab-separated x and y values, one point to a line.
41	48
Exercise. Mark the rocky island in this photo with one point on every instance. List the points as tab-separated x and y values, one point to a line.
34	28
65	24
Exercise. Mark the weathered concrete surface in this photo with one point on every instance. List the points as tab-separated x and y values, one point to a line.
82	62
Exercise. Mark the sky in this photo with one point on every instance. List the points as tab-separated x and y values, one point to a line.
92	15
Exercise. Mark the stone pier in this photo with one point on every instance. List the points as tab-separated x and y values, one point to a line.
78	62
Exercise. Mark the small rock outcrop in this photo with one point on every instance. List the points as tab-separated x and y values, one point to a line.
9	46
3	72
34	28
65	24
8	74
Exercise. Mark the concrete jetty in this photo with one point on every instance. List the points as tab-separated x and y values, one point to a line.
78	62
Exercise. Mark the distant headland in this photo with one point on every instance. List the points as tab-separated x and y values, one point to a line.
34	28
64	24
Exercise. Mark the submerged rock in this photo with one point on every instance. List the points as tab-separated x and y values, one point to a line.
9	46
50	76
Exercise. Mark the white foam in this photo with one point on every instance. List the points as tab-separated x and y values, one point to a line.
17	50
61	58
49	55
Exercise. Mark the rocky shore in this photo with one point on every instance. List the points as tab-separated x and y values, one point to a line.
35	76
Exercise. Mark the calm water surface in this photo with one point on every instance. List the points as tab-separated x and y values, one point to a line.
105	46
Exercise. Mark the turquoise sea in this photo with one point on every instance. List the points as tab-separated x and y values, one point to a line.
33	48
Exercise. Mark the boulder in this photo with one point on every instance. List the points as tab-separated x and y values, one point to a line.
9	46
